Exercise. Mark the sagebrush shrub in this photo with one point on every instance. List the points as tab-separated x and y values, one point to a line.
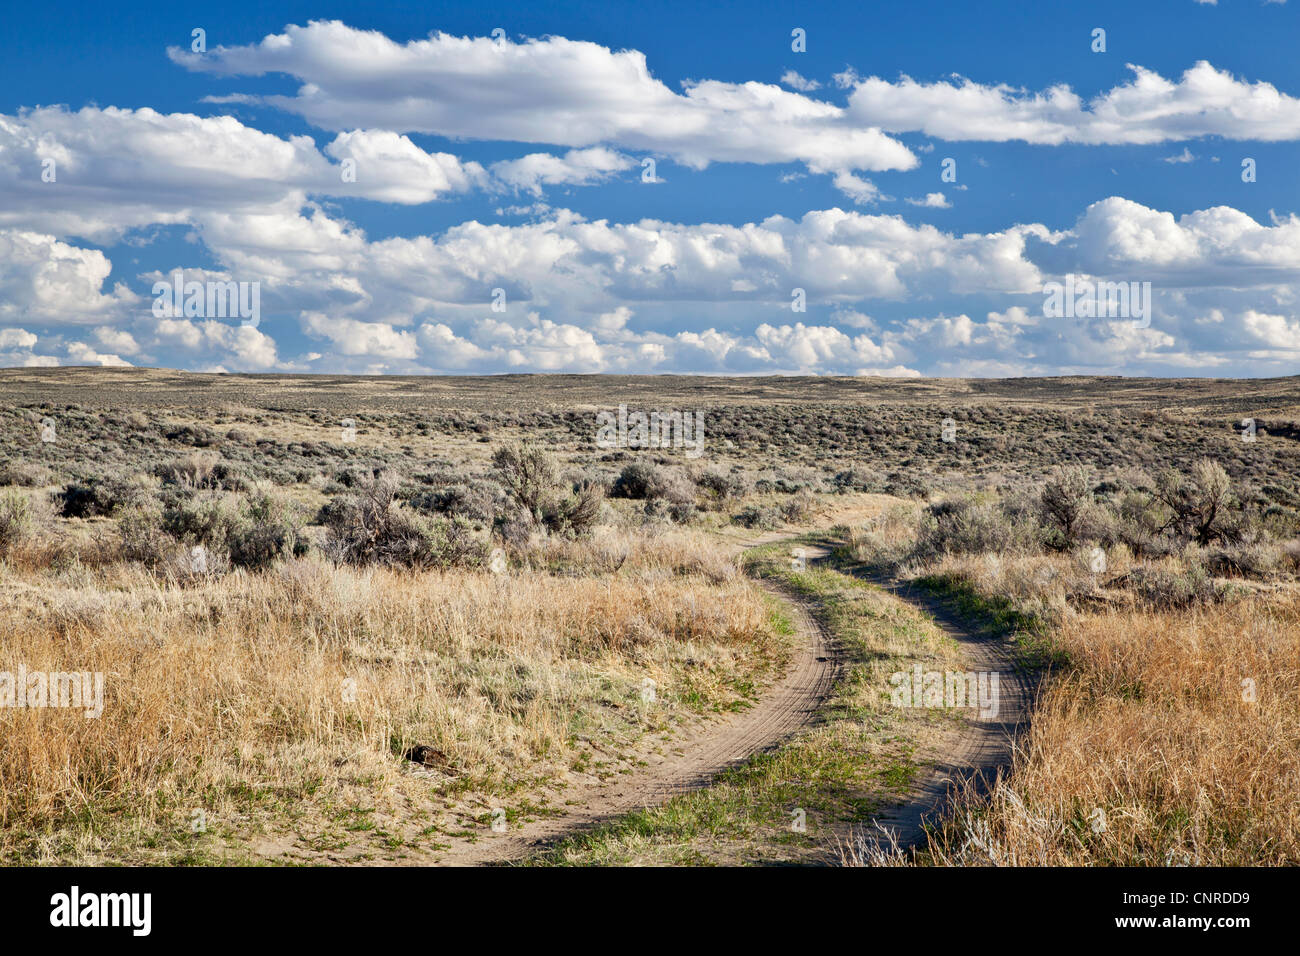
267	530
634	481
1202	504
24	474
757	518
478	503
103	497
720	486
964	526
575	514
799	507
191	471
1066	501
143	538
529	474
370	527
207	521
531	478
1258	560
1163	588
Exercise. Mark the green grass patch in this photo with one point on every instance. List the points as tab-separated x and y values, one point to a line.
1033	646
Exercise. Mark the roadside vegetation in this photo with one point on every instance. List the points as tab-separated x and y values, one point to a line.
1169	607
364	678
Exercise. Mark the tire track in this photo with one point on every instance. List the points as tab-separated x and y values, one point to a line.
984	748
794	702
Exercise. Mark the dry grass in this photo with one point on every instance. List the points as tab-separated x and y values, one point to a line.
1150	752
656	550
230	695
1168	738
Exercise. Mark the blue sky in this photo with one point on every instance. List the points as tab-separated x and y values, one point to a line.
516	164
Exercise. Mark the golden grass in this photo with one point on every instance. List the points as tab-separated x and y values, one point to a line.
1152	749
257	697
1169	737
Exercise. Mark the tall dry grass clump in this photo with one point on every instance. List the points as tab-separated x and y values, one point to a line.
1171	740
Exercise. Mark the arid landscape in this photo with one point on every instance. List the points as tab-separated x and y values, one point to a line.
431	620
660	441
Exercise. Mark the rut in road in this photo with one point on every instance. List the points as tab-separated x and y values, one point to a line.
984	748
793	703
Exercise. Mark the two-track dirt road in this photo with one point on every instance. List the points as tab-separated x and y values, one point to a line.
793	703
984	747
696	757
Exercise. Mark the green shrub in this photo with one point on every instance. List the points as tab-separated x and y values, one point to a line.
1258	560
1141	521
965	526
267	529
529	475
248	532
206	521
513	528
720	487
1174	590
1065	503
906	486
856	479
192	471
799	507
370	528
754	517
143	538
532	481
635	481
1202	505
575	514
103	497
201	436
477	503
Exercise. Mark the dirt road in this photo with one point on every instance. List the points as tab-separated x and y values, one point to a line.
979	751
984	747
695	758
